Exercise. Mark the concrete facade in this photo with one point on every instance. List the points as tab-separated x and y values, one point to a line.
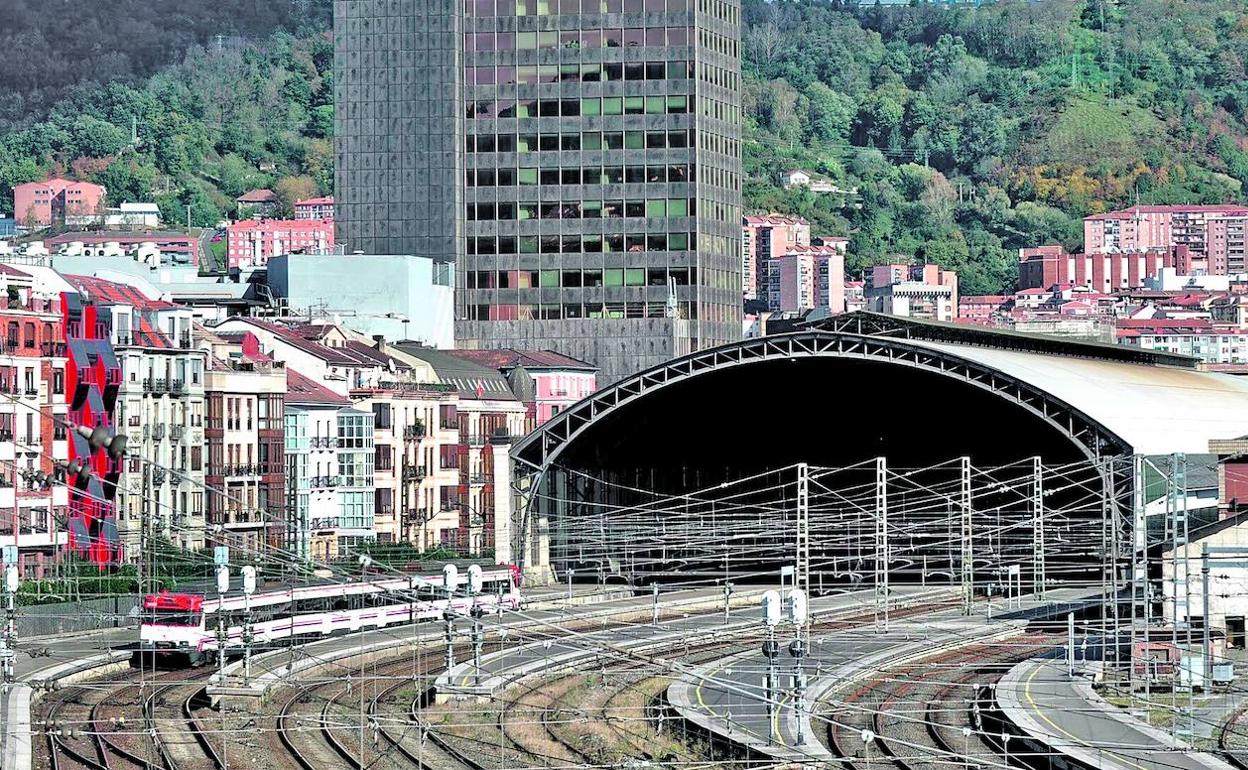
397	296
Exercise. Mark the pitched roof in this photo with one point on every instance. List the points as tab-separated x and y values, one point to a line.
305	390
472	379
112	293
327	200
263	195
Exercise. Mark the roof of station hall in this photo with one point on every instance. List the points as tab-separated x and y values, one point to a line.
1157	402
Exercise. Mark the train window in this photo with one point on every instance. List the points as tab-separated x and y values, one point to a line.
162	617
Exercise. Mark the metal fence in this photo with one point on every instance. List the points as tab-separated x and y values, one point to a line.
73	617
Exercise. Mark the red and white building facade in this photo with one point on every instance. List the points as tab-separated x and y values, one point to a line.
1043	267
315	209
251	243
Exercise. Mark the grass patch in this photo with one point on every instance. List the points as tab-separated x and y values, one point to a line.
1102	129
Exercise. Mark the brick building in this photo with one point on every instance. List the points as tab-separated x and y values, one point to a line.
1043	267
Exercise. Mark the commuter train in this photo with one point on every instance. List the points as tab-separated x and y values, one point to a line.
178	628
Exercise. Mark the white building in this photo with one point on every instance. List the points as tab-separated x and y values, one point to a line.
329	470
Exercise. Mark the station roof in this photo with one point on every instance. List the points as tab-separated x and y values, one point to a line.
1103	397
1156	402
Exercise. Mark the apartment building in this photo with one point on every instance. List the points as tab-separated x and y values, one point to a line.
807	277
1214	235
251	242
416	460
329	470
244	434
486	408
762	239
33	411
43	204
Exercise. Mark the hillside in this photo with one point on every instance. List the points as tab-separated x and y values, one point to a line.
962	133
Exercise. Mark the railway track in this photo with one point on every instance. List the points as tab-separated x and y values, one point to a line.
1231	741
917	714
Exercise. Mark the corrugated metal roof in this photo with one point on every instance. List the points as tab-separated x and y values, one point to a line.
1155	409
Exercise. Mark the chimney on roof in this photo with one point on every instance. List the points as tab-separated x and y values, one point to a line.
379	342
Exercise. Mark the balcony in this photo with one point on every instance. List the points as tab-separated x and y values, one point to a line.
177	387
477	440
414	473
414	432
158	431
478	479
53	349
31	391
176	432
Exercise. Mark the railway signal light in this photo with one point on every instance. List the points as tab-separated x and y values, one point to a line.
797	607
475	579
771	608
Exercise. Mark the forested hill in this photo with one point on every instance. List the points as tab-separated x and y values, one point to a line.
52	46
958	134
995	127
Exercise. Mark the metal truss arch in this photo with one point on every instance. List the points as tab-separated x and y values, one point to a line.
541	448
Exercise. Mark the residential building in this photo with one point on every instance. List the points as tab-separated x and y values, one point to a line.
399	297
52	201
917	291
245	438
92	383
1046	266
1214	235
762	239
251	242
808	277
1194	337
582	170
315	209
160	407
855	296
33	414
985	308
257	203
329	470
486	410
795	177
546	382
416	460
